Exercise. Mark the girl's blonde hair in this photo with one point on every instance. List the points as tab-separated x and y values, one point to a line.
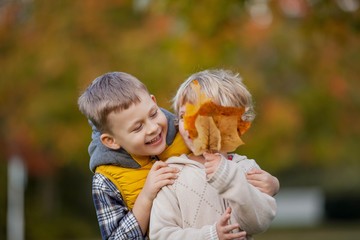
224	87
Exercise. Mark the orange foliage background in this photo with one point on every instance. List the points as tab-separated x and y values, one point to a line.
300	59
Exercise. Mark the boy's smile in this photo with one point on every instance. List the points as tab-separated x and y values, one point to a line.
140	130
155	141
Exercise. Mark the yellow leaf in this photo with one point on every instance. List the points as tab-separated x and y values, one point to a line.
191	110
230	138
208	138
213	127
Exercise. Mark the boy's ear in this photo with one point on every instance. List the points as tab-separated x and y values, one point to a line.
153	98
109	141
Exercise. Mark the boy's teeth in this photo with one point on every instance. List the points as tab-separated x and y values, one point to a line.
154	140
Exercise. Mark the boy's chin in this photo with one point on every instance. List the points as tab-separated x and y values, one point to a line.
159	151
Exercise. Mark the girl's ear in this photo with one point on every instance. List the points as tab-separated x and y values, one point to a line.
109	141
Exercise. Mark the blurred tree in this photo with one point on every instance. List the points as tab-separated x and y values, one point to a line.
299	58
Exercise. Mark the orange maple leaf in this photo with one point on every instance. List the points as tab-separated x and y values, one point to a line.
212	127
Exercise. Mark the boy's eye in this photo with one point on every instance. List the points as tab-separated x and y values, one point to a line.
154	114
137	128
181	116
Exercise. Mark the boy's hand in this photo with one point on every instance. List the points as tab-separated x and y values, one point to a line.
224	229
212	163
264	181
159	175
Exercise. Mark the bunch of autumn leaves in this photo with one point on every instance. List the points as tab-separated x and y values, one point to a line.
213	128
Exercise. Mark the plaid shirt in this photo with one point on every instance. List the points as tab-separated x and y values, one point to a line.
115	219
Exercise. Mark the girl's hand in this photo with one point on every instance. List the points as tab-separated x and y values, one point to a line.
264	181
224	230
159	176
212	163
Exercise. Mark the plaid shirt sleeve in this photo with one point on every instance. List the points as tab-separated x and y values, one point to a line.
115	219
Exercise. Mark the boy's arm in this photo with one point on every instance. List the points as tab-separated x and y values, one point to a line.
264	181
114	218
159	176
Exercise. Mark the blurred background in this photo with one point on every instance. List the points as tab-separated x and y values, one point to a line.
299	58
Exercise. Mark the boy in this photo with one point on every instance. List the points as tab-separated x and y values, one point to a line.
134	134
210	184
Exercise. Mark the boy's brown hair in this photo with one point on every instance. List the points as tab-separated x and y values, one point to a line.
111	92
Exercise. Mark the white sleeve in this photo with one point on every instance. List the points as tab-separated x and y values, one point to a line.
166	220
251	208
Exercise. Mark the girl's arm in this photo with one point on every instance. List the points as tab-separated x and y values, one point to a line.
260	179
252	209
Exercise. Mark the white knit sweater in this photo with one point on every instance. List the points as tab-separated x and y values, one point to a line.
190	208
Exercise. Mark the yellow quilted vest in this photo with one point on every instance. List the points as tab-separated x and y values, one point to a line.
130	181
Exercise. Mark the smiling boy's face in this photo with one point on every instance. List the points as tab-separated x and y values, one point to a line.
140	130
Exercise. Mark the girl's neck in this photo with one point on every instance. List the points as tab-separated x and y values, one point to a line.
200	158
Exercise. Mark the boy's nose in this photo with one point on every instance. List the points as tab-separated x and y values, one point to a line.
152	127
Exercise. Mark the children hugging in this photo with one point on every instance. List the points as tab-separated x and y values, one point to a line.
139	157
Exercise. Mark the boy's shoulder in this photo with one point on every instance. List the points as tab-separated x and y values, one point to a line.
102	183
